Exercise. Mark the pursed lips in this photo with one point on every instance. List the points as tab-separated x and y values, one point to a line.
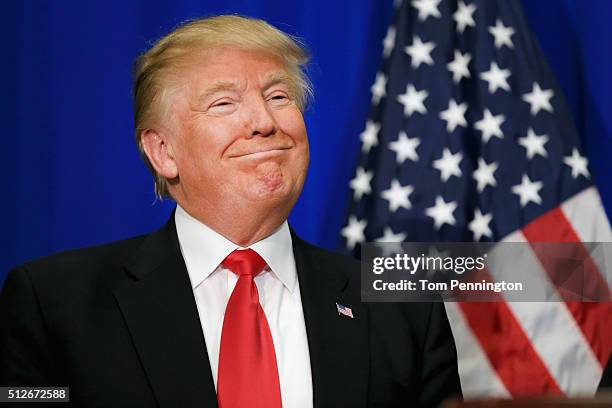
261	152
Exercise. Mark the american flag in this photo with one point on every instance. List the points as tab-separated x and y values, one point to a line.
469	139
345	311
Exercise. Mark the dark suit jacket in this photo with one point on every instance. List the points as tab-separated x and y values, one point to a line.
118	324
605	384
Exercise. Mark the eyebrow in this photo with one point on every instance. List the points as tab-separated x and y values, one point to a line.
218	87
278	78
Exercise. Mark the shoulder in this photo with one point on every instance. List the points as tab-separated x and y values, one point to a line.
99	255
73	269
325	257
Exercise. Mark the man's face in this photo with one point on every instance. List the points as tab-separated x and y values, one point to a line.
238	136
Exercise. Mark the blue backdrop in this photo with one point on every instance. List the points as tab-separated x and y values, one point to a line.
74	177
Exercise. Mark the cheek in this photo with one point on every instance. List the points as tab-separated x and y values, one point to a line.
301	140
295	128
204	144
292	124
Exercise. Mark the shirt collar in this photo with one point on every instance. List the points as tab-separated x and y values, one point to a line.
204	249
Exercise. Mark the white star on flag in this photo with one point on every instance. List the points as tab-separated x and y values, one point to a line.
534	144
442	212
480	225
502	34
464	16
459	66
578	164
393	241
528	191
448	164
389	41
454	115
484	174
361	183
405	148
369	137
490	126
378	88
413	100
426	8
397	195
420	52
389	236
497	78
354	231
539	98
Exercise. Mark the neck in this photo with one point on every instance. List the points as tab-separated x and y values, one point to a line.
243	228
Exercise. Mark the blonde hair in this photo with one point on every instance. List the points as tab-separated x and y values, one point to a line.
155	70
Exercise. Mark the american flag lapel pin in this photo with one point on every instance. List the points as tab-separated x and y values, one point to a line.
344	311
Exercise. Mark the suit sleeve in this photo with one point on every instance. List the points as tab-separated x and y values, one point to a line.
24	353
440	376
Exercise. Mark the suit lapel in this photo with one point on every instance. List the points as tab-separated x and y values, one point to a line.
161	315
338	345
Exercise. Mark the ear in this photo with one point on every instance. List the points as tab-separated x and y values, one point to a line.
158	150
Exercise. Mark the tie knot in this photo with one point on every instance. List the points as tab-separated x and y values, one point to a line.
244	262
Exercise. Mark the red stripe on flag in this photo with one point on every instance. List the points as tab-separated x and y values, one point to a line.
511	353
594	319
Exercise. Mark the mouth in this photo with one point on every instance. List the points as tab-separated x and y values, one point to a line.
261	154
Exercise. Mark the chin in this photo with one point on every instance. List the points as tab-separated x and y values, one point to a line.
283	193
269	180
269	191
273	183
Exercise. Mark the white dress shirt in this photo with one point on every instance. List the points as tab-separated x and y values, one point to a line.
279	294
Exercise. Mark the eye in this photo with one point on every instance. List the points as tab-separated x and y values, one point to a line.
223	106
278	98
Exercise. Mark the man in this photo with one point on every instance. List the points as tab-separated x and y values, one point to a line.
224	305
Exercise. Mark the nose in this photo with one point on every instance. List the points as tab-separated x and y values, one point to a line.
261	119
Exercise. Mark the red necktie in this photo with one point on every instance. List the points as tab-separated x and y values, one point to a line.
248	375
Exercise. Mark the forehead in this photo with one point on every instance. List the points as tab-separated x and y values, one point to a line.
226	65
